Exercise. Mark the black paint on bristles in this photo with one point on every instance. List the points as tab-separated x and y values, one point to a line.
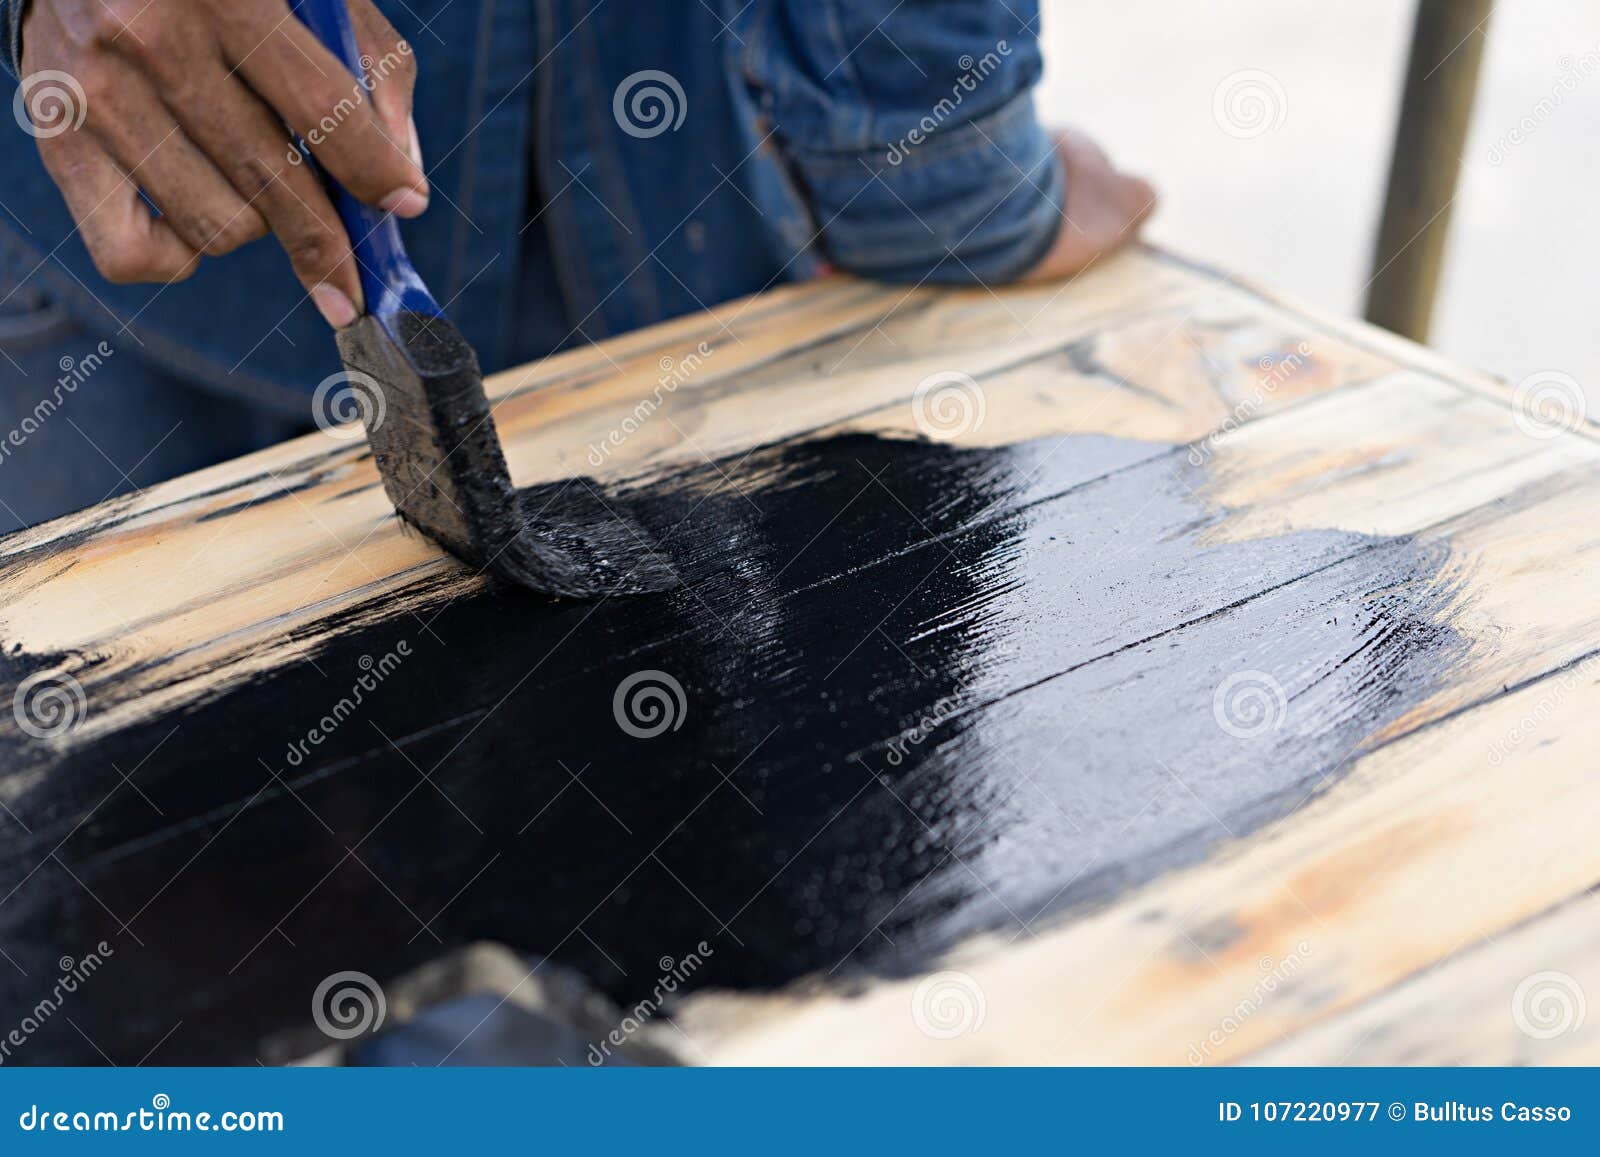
434	439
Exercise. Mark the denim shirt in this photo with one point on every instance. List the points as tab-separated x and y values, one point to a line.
599	165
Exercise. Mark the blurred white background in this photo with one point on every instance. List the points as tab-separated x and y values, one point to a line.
1296	206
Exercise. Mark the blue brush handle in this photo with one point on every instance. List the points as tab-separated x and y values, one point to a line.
388	279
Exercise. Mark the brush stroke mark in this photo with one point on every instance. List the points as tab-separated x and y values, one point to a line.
429	424
926	691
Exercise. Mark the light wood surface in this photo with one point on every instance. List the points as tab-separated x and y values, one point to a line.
1395	915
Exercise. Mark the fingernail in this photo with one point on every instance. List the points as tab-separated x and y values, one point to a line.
405	203
336	308
416	143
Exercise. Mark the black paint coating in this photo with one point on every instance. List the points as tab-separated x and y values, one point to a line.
924	691
435	443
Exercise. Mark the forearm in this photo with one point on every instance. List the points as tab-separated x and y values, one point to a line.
910	129
980	202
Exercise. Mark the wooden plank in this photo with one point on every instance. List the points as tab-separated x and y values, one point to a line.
995	651
280	547
1408	861
1519	997
1452	833
1399	866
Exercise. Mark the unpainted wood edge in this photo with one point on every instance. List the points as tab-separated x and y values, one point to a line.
1364	335
1413	982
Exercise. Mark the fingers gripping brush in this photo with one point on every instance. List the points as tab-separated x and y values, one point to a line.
431	431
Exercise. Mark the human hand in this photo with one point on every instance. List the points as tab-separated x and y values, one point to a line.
189	100
1105	209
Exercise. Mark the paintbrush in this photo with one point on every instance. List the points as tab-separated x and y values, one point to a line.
431	430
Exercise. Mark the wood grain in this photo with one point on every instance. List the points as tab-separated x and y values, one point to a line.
1426	847
274	547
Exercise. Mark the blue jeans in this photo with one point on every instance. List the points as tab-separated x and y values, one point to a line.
84	418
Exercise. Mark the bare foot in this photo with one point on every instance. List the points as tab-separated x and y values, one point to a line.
1104	209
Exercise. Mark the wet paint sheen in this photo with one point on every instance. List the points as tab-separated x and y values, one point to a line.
924	691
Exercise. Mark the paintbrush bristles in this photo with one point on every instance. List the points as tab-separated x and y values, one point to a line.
435	443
